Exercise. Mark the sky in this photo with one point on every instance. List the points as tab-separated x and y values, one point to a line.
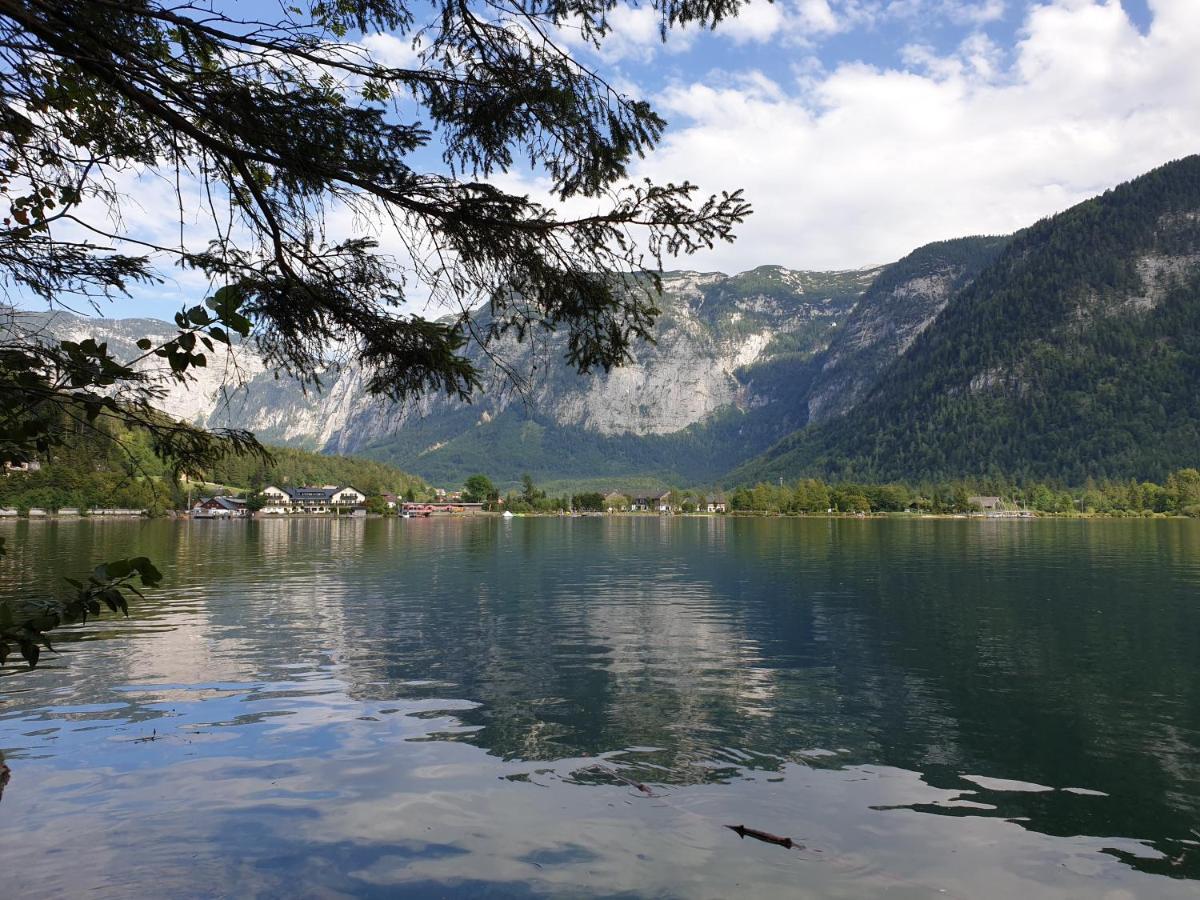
862	129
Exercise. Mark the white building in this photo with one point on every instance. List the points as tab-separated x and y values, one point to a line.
327	499
347	496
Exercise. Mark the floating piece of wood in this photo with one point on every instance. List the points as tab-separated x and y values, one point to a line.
766	837
629	781
617	775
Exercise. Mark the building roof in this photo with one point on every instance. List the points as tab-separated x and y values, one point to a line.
233	504
311	494
319	494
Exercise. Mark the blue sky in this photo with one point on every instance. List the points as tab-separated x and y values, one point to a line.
877	36
861	129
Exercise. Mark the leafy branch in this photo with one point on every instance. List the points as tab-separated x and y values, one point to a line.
25	622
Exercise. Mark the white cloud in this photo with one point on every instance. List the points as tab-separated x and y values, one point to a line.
817	16
796	22
861	164
635	29
978	56
389	50
757	21
634	34
974	12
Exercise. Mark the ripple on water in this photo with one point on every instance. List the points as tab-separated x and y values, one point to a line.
582	708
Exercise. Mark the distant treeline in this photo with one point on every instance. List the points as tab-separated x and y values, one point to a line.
1180	495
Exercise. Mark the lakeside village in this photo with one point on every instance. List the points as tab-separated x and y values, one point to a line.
347	500
25	484
80	485
338	500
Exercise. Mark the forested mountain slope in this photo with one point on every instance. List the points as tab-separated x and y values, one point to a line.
901	303
1075	354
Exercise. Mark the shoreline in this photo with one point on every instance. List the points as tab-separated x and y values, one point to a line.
980	517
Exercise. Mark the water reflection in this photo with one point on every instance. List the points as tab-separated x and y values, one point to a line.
389	706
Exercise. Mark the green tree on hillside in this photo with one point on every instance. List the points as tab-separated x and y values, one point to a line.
529	492
1064	359
589	501
479	489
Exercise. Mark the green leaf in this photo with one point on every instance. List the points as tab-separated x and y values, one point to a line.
144	343
198	315
151	577
113	599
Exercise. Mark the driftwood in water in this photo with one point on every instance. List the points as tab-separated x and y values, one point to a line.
766	837
629	781
617	775
641	787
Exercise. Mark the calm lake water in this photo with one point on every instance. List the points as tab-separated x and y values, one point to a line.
423	708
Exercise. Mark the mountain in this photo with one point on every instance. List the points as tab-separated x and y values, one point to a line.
723	381
1066	351
1074	354
194	401
901	303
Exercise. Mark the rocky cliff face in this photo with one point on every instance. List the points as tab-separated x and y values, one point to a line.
715	333
713	328
197	400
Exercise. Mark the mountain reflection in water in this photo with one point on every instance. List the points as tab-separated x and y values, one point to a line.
429	708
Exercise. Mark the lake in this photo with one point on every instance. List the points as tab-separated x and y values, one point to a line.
579	708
